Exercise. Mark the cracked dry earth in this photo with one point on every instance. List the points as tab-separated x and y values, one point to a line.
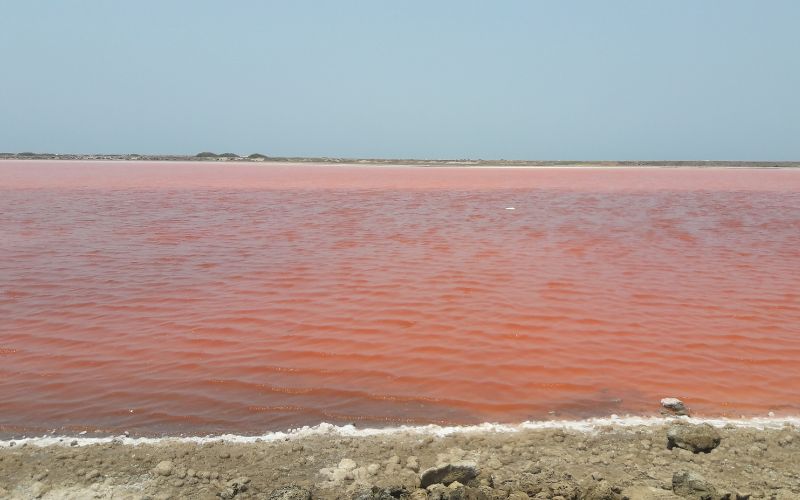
609	463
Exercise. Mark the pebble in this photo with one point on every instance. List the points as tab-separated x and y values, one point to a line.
448	473
785	440
164	468
290	492
674	405
37	489
92	474
347	464
695	438
693	485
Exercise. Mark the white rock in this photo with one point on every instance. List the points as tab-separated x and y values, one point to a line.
164	468
37	489
347	464
674	404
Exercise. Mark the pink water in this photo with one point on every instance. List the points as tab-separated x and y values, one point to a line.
197	298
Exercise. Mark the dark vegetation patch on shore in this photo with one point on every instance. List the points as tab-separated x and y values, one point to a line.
659	462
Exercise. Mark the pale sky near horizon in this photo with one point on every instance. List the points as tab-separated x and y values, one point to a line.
521	79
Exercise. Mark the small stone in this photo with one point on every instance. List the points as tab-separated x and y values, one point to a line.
74	442
240	482
518	495
92	474
227	494
164	468
674	406
600	490
448	473
373	469
37	489
692	485
412	463
438	491
347	464
234	487
695	438
291	492
376	493
419	495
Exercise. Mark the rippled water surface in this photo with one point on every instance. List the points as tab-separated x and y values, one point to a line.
196	298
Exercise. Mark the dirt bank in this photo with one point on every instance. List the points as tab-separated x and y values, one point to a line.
608	463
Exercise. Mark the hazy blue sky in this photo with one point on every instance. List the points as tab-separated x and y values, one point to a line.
682	79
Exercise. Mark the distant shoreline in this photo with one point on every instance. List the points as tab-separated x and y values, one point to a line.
229	158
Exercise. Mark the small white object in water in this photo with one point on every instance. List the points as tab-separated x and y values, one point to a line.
509	208
674	404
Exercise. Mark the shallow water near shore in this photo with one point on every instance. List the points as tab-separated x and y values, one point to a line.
210	299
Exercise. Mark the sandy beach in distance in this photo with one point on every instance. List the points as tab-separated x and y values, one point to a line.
600	462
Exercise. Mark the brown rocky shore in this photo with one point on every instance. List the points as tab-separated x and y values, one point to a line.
669	461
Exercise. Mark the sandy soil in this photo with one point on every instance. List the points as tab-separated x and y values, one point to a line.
608	463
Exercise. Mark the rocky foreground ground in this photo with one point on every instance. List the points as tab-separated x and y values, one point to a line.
673	461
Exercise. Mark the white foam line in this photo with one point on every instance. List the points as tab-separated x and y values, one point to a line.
588	426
